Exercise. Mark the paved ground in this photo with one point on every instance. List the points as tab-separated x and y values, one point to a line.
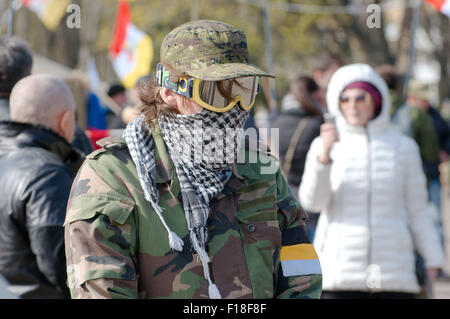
442	288
4	293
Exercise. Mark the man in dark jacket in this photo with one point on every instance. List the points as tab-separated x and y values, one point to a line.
37	166
16	61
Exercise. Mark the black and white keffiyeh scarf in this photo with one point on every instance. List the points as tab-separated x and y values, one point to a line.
202	147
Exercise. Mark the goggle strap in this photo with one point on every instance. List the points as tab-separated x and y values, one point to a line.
163	79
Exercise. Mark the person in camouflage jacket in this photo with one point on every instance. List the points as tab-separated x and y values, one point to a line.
117	244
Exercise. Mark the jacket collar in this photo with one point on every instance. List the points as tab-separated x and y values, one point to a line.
29	135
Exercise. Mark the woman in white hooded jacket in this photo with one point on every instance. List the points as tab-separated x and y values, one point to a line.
367	181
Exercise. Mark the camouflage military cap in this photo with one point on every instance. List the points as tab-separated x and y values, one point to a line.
208	50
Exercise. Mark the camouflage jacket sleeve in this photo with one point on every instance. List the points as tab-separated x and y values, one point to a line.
100	238
298	274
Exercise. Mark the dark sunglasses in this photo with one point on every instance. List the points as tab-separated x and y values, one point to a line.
358	99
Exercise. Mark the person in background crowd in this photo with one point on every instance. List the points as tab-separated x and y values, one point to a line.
96	112
400	115
325	64
37	167
16	61
118	93
367	181
184	226
130	112
298	127
414	122
419	97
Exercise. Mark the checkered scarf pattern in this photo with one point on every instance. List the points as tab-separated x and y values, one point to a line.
140	144
202	155
193	142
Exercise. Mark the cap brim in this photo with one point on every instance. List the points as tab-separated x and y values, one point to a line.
218	72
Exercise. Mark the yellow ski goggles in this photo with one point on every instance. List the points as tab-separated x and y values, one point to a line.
217	96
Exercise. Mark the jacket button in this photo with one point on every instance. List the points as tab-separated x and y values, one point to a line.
251	228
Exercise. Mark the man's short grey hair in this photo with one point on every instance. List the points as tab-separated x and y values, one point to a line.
15	62
40	99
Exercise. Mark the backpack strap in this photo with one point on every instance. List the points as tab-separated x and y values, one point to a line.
293	145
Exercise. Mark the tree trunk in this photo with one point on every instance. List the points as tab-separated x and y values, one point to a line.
444	60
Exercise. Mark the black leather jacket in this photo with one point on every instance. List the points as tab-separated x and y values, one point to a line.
37	168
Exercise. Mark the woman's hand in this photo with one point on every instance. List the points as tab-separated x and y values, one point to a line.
329	136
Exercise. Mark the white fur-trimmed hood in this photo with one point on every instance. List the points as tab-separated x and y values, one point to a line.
352	73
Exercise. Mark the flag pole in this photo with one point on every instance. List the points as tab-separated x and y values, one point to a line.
10	18
412	49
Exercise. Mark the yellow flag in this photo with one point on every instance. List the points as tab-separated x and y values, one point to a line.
49	11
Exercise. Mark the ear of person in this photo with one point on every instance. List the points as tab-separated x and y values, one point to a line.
66	125
182	104
168	96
